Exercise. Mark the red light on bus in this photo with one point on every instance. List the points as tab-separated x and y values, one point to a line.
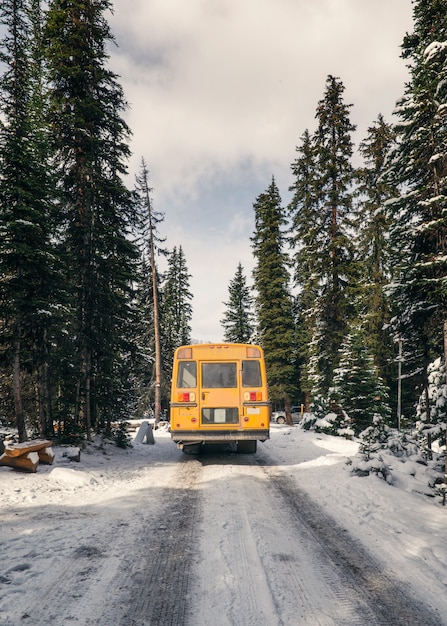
254	353
186	396
246	419
193	420
184	353
253	396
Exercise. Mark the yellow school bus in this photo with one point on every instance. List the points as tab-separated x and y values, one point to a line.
219	395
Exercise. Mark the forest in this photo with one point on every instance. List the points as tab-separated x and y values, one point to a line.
349	294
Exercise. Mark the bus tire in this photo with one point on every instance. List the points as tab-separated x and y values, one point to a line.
247	447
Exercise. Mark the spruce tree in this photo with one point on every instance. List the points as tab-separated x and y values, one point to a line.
303	211
418	165
176	309
275	327
91	143
373	225
238	319
324	190
28	263
358	389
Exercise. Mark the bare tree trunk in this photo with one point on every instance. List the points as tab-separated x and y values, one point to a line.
445	363
18	406
157	395
288	412
45	417
87	401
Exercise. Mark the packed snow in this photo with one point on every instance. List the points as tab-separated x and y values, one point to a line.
70	512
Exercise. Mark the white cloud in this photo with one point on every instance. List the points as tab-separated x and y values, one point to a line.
220	93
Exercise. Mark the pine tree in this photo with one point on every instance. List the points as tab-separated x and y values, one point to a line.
358	389
324	195
176	309
418	166
28	263
303	211
273	301
90	138
238	319
373	233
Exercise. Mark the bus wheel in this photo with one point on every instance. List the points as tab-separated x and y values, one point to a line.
246	447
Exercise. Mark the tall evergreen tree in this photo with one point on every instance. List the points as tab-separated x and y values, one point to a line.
303	211
176	309
322	217
373	228
273	300
418	166
91	138
27	258
238	319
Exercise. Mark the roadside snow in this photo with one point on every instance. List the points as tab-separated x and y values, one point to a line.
71	509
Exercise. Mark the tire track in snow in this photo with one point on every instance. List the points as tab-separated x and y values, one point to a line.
161	577
257	565
364	582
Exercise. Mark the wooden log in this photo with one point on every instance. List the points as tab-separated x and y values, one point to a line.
28	461
18	449
46	455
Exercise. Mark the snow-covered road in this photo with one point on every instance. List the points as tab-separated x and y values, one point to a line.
152	536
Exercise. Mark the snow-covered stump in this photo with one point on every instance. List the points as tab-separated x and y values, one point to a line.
145	432
72	454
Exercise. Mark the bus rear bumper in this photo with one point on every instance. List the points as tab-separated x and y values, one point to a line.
219	436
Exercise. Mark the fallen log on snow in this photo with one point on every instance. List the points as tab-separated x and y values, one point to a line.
18	449
28	461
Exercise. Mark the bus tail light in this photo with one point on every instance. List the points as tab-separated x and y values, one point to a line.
253	396
188	396
246	419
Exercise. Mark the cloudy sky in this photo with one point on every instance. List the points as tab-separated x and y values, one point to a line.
220	92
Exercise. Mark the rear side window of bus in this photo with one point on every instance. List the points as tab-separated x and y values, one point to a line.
251	374
187	374
218	375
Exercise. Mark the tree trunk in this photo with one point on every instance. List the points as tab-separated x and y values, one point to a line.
288	412
18	406
45	417
445	362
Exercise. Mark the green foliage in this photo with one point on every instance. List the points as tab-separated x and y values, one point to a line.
121	435
321	212
96	210
418	166
238	319
373	225
273	303
358	389
176	308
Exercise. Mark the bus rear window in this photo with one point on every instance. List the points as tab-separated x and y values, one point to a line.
251	374
187	374
219	375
